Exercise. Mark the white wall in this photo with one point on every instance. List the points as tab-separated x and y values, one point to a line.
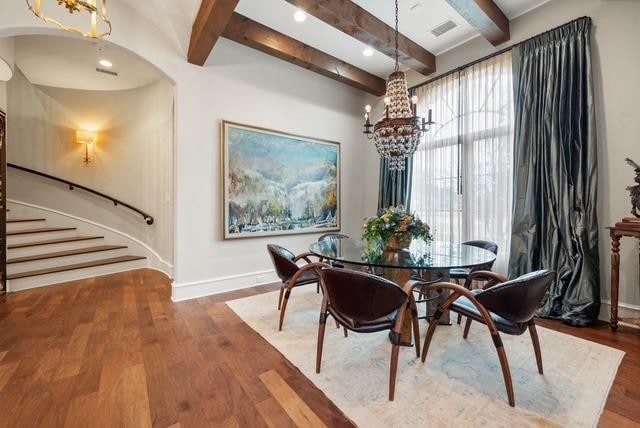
616	61
245	86
242	85
6	55
132	161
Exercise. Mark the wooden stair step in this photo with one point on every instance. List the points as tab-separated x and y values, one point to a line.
75	266
52	241
77	251
39	230
24	220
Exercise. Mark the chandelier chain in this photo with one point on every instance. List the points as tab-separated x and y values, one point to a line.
396	37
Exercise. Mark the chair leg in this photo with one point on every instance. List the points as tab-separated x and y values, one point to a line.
427	340
346	333
280	297
536	344
284	308
459	319
506	373
467	324
393	371
321	327
318	288
337	323
416	333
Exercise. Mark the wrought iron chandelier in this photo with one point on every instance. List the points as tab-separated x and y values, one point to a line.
397	135
98	24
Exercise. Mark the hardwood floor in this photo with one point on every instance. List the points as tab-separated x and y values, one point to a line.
115	351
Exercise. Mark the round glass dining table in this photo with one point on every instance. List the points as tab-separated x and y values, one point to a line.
431	261
433	256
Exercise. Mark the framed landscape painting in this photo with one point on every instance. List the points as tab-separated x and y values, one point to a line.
277	183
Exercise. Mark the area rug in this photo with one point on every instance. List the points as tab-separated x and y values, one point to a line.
460	384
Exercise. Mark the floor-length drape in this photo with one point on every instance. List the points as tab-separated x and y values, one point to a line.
395	186
463	171
554	216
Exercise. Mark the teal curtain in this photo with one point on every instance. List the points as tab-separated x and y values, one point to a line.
555	183
395	186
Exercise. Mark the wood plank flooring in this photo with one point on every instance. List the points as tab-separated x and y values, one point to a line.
115	351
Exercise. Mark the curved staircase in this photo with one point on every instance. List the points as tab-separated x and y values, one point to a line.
40	254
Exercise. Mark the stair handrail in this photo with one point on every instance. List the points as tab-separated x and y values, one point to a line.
147	217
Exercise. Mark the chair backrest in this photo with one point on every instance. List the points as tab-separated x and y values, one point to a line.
360	296
517	300
485	245
332	235
283	261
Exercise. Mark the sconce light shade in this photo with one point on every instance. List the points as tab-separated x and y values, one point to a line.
86	137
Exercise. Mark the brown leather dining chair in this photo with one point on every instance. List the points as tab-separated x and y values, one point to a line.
463	274
503	306
292	275
365	303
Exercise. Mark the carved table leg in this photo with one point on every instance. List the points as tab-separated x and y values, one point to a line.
615	279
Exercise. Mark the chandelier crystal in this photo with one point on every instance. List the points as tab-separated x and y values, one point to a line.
397	135
98	25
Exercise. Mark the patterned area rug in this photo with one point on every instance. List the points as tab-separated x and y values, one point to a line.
460	384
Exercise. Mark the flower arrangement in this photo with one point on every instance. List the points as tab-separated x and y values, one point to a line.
395	228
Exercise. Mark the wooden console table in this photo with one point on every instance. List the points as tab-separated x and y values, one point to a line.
630	228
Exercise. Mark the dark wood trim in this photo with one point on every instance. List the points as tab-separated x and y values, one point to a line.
39	230
72	186
57	254
486	17
52	242
210	22
358	23
3	202
75	266
250	33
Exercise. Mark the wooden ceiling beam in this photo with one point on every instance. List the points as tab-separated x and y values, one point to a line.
247	32
210	22
486	17
355	21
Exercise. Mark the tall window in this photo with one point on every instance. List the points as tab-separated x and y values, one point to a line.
463	170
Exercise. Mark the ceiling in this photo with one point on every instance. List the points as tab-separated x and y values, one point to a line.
71	62
74	60
417	19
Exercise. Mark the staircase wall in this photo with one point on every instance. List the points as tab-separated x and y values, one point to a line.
133	160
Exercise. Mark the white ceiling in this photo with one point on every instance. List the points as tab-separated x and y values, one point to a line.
70	62
416	19
74	60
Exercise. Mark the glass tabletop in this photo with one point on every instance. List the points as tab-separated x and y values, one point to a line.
420	255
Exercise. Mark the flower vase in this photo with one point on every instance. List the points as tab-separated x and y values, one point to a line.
398	243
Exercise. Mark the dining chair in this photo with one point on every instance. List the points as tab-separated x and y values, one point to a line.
365	303
460	274
503	306
292	275
332	235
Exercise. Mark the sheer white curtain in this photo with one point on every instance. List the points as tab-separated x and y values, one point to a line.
463	171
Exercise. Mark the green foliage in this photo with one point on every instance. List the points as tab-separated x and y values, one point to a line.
395	222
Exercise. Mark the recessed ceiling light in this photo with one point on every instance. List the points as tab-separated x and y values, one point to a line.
300	16
367	52
105	63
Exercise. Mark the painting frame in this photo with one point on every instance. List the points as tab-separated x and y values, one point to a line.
225	126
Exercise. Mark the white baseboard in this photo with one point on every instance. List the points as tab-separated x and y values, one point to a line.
625	310
223	284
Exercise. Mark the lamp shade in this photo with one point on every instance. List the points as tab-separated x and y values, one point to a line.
86	137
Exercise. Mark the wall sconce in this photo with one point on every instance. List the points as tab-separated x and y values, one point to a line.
88	138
